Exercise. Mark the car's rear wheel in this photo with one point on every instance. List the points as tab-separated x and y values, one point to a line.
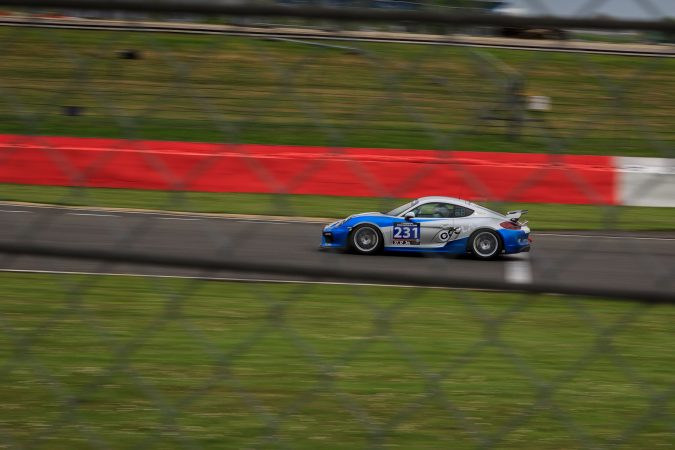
485	244
366	239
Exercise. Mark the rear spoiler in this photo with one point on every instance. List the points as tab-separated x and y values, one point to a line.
514	216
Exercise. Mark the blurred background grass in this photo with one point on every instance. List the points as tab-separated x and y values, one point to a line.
229	89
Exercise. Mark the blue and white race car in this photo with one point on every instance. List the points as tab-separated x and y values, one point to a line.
432	224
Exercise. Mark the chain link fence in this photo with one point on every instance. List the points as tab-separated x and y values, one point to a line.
157	327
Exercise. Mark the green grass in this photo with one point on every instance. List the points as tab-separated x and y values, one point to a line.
614	38
541	216
171	363
207	88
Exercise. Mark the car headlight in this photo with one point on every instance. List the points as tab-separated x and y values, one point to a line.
336	223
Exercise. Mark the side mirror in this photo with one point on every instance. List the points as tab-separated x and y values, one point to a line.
409	215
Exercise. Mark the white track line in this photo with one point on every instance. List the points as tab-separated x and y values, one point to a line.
168	214
590	236
518	271
275	222
178	218
12	211
91	214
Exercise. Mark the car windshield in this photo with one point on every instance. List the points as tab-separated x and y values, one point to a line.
400	209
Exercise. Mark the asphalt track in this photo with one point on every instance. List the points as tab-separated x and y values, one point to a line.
641	261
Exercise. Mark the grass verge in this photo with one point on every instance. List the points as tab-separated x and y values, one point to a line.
139	362
232	89
541	216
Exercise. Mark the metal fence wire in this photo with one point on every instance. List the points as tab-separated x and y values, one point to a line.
168	328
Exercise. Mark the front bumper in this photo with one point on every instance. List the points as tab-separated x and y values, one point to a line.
334	236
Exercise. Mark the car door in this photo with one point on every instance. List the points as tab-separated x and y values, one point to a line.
430	228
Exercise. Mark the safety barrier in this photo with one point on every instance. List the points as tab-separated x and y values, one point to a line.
527	177
307	170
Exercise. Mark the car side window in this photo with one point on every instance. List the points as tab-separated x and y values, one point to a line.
441	210
434	210
461	211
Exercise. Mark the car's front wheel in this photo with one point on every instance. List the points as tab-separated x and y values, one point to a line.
366	239
485	244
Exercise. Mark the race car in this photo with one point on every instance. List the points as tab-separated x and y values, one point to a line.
432	224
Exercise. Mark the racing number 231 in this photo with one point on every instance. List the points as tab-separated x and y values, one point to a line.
406	232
